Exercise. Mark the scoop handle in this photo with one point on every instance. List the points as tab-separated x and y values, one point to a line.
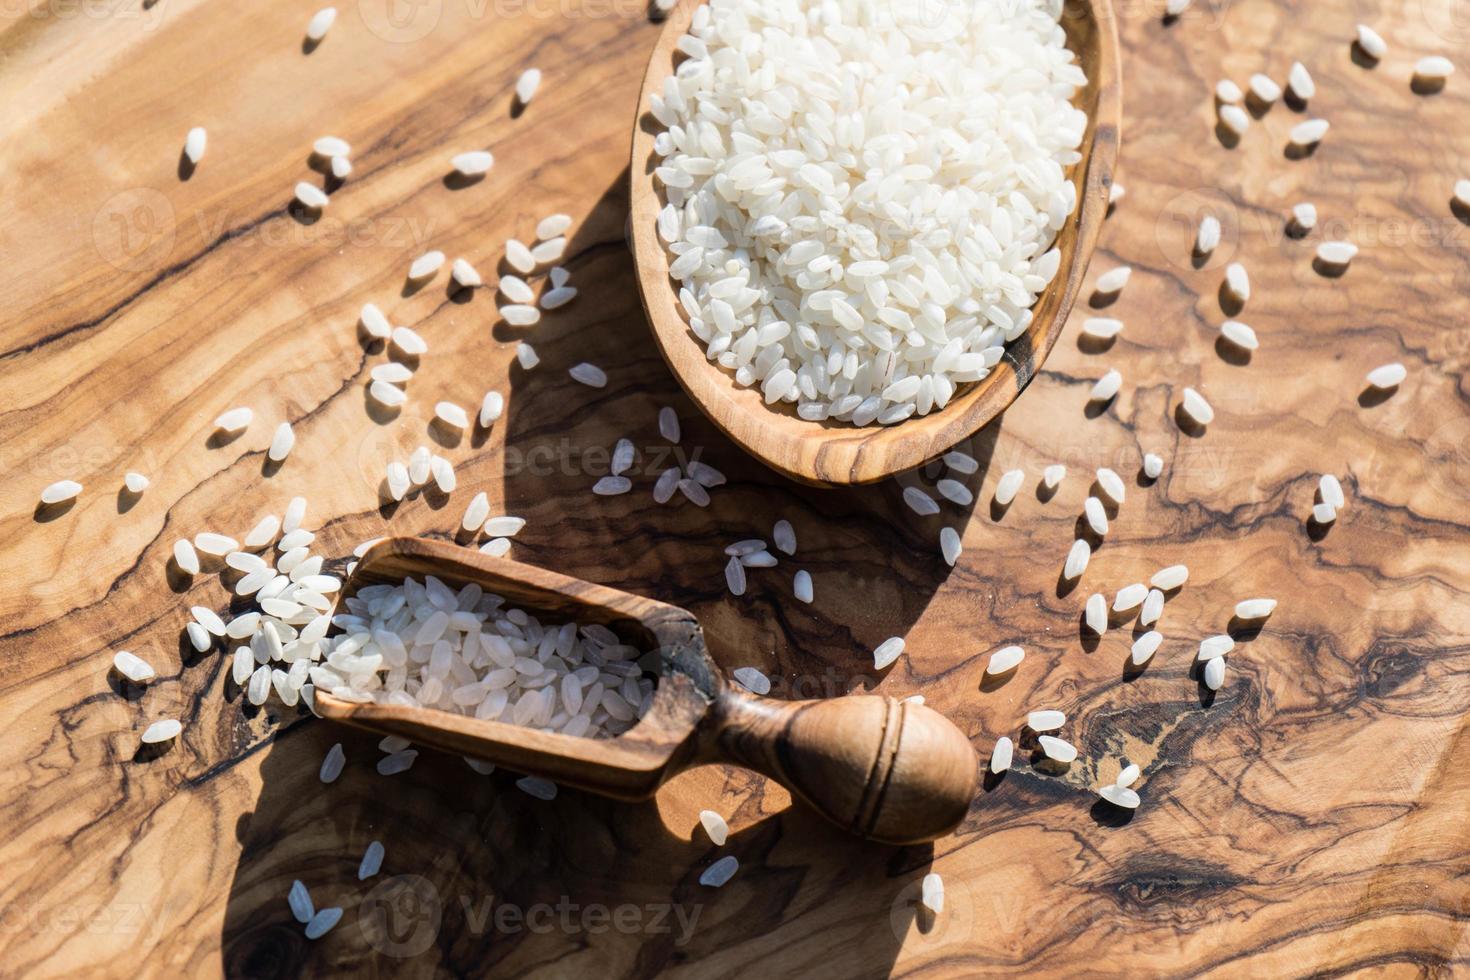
892	771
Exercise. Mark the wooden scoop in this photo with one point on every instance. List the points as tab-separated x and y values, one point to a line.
892	771
837	453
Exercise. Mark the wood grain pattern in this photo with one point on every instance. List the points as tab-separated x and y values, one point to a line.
834	453
1310	818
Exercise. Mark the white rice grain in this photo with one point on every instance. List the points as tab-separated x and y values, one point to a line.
407	340
1336	254
1251	609
1128	775
541	789
527	84
1373	45
1077	559
611	486
465	276
491	408
961	462
322	923
1239	334
1214	673
1265	88
425	265
299	899
1111	484
720	872
398	480
801	586
1299	80
518	256
1153	465
887	652
1197	408
331	146
391	372
752	680
163	730
1170	578
332	764
1235	119
504	526
920	502
1304	215
452	415
1008	485
1331	491
235	420
1057	749
1207	239
60	491
931	892
1095	613
282	442
396	762
589	374
474	163
549	251
1046	721
1001	755
1434	68
1096	516
194	144
1153	608
320	23
372	861
1120	796
1103	328
520	314
1052	476
950	546
1130	597
390	396
133	667
1309	132
1238	282
1215	646
219	545
1114	280
374	322
714	826
310	196
1387	375
1005	659
552	226
1106	387
1145	647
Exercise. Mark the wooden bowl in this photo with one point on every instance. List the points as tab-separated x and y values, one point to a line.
837	453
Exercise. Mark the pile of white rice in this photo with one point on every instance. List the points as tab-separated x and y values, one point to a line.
862	196
425	644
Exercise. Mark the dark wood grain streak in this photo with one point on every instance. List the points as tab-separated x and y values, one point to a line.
1309	819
